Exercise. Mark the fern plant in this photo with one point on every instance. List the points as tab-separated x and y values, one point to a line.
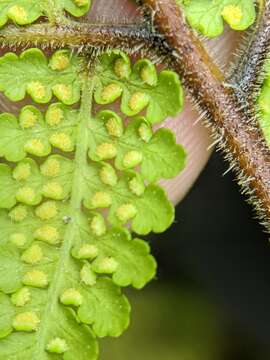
82	158
78	178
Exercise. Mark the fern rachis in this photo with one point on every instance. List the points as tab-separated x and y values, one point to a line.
79	169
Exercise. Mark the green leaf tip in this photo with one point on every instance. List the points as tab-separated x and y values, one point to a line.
78	176
208	16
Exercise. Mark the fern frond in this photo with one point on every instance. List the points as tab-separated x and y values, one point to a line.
75	181
77	178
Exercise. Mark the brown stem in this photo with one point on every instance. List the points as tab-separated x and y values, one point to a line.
244	143
78	35
248	74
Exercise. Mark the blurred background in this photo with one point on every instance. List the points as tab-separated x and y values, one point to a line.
211	298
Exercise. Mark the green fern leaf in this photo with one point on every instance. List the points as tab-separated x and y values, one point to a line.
67	338
208	16
35	136
24	12
29	184
32	74
139	87
128	199
137	144
76	8
63	259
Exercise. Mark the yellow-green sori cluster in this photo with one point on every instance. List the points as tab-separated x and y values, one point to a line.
78	178
208	16
24	12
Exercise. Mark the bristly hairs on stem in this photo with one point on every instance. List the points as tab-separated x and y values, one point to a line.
89	38
248	74
242	142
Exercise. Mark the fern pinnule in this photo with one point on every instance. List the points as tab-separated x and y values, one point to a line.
63	258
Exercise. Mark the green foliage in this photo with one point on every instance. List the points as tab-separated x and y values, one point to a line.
23	12
263	105
140	87
76	8
157	152
208	16
36	134
129	199
75	182
32	74
27	184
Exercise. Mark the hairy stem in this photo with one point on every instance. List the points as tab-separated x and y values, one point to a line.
244	143
77	35
248	75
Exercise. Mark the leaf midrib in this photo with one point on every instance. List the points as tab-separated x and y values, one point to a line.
75	204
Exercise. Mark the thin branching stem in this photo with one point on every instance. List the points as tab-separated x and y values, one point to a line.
241	140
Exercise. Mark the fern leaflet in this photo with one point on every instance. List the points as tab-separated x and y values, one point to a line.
74	182
208	16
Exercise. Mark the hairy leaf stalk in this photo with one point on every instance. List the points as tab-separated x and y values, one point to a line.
81	36
248	74
206	83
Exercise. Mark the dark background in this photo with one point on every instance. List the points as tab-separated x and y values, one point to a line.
217	245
